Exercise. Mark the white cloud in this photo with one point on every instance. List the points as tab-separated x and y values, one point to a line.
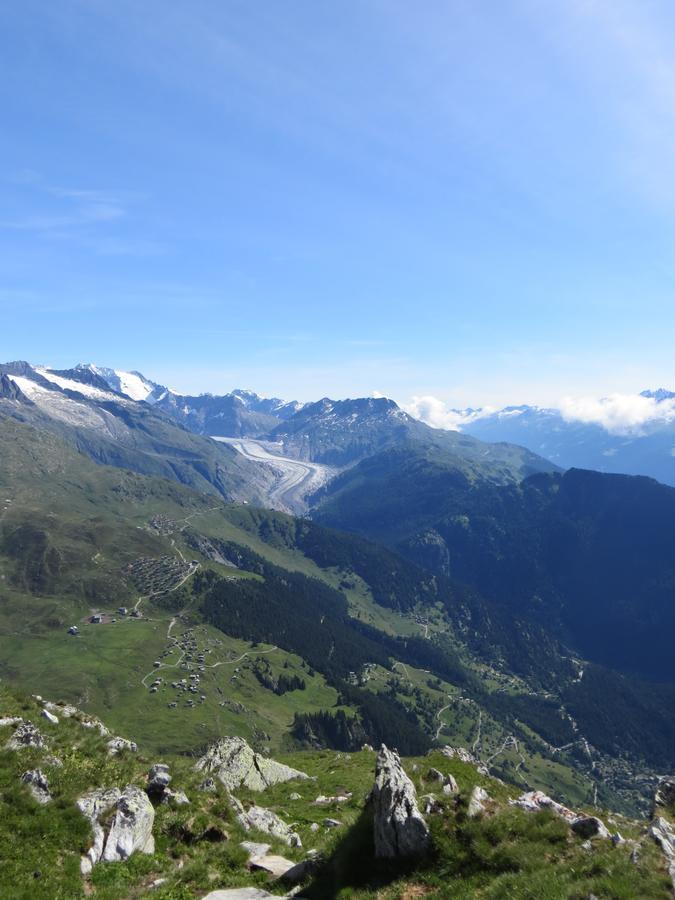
438	414
617	413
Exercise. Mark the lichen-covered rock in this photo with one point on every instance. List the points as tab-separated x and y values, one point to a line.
93	805
117	744
37	784
233	762
399	828
174	798
477	800
261	819
26	735
131	828
158	779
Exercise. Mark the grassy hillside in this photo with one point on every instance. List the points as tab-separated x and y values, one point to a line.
506	853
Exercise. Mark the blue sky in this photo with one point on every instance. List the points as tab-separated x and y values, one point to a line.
468	199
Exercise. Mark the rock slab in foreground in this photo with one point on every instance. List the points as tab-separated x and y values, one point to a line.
399	829
131	828
233	762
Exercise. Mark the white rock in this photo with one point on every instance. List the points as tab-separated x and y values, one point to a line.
50	717
119	743
244	893
236	764
477	799
399	829
131	828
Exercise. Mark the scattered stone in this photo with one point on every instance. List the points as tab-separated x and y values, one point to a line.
434	775
158	779
590	827
118	744
26	735
50	717
399	829
52	761
295	796
268	822
208	786
586	845
236	765
67	711
450	786
369	748
272	864
177	798
131	828
617	839
332	823
477	800
37	784
460	753
430	804
10	720
254	849
314	827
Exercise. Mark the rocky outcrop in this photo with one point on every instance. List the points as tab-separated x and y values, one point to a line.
399	828
583	825
131	828
67	711
662	829
233	762
26	735
466	756
93	805
37	784
664	797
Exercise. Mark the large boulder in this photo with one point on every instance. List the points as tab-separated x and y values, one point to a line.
233	762
399	828
131	828
93	805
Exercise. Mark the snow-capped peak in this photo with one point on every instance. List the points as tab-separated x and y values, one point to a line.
132	384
